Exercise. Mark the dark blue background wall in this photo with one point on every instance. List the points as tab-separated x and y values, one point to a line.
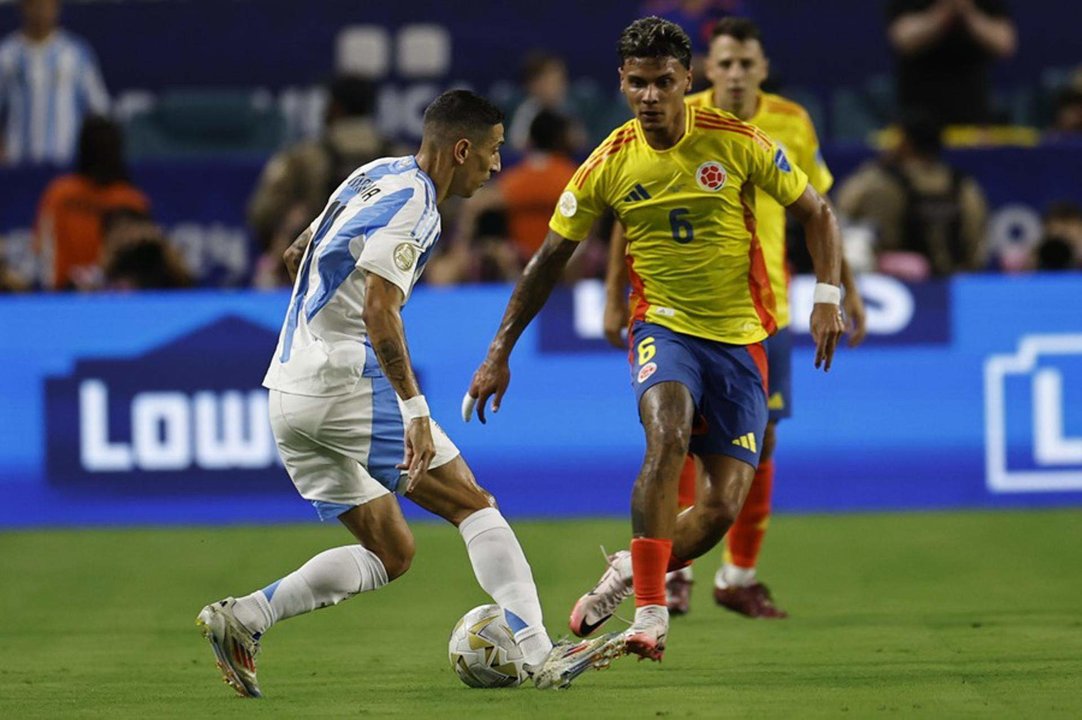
283	42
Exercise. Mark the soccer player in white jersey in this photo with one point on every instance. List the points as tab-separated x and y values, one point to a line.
49	82
351	424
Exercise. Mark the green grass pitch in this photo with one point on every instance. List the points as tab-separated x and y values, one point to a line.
935	615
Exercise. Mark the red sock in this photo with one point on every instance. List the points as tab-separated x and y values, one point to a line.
685	495
685	498
649	559
676	563
745	537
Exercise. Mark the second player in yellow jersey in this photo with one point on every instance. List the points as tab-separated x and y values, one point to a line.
788	124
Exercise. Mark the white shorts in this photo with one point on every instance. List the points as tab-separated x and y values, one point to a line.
341	451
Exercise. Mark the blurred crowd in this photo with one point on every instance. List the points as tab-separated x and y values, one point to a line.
907	212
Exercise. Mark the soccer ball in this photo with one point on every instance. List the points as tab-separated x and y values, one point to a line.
482	650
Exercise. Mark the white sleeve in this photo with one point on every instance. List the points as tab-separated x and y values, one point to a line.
393	251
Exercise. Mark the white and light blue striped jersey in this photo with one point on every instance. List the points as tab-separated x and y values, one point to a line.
46	89
383	219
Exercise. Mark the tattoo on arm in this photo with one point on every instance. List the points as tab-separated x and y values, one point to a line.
533	289
394	359
388	337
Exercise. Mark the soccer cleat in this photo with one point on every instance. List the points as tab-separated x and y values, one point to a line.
646	636
235	648
753	601
567	660
596	607
678	594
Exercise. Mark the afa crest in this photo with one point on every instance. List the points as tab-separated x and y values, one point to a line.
711	176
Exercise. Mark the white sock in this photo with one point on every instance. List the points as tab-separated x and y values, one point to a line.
655	610
503	572
734	576
684	572
327	579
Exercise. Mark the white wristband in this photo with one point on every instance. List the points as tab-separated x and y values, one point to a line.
415	407
827	293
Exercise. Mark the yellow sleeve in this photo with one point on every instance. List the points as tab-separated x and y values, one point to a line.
813	165
770	169
581	203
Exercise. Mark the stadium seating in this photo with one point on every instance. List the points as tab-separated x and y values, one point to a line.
193	123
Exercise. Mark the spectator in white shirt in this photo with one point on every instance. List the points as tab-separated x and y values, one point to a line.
49	81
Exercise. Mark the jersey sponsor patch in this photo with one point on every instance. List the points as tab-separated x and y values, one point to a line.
711	176
646	371
405	255
782	162
569	204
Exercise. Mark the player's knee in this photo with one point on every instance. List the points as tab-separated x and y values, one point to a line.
477	498
666	441
397	560
719	511
769	441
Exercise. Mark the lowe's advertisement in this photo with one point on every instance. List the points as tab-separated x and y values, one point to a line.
148	409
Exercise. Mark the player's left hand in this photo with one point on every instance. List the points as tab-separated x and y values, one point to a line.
826	327
856	321
420	449
492	378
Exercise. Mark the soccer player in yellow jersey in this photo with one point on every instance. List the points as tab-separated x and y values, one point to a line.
682	182
737	66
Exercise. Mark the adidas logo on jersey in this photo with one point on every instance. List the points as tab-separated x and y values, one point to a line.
746	441
637	194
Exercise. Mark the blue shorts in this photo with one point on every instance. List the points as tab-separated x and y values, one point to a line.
779	359
726	382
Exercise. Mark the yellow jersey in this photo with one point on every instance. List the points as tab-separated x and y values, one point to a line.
790	126
694	258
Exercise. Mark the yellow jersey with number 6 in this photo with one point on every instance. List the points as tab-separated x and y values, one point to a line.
790	126
694	257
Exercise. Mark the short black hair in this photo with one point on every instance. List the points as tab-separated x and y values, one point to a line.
101	151
355	95
738	28
653	37
549	132
461	113
1055	253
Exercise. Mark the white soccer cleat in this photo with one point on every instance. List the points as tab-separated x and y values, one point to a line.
646	636
596	607
567	660
235	648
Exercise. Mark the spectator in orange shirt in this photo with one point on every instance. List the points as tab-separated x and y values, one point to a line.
68	229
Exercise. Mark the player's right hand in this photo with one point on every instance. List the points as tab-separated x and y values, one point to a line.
491	379
615	322
827	327
420	449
